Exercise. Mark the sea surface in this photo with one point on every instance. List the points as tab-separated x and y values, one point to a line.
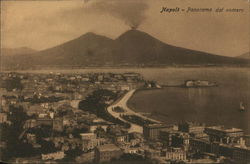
213	106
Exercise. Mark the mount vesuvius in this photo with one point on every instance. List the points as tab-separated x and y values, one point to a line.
132	48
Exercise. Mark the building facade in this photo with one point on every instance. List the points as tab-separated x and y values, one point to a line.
105	153
241	155
152	131
176	154
225	136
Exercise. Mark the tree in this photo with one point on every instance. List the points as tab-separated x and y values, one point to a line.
47	147
17	117
13	83
10	135
72	154
100	132
41	131
96	103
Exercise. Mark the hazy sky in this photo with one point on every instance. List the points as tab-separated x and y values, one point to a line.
45	23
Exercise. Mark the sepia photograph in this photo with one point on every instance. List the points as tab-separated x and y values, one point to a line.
125	82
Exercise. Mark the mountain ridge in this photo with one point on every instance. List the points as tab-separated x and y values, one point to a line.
244	56
131	48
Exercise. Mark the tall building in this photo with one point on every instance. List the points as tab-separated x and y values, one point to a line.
223	135
89	144
152	131
200	145
174	138
176	154
191	127
105	153
58	124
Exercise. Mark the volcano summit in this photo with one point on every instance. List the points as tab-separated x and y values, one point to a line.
132	48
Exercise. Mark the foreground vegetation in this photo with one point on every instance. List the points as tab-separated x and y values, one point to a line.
97	103
137	120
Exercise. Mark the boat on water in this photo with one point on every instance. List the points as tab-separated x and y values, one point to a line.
199	83
242	107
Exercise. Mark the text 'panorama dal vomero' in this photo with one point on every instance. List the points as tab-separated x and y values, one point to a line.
191	9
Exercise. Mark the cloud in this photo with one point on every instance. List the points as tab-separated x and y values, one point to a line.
44	24
132	13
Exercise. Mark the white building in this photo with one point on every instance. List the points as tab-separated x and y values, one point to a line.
176	154
87	136
55	156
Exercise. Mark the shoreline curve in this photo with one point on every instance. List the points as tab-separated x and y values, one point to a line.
123	104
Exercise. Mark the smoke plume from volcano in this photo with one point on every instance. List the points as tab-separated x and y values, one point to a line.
132	12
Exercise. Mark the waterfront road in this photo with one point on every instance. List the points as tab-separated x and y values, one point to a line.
123	104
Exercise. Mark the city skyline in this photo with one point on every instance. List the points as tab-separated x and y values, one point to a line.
115	81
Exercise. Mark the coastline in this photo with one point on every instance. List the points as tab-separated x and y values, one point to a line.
123	104
113	69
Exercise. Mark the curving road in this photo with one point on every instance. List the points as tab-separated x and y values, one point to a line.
123	104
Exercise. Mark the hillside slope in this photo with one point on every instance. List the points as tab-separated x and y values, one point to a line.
132	48
244	56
